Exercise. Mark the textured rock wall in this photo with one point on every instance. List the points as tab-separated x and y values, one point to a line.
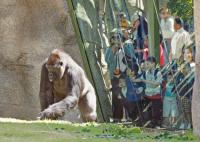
29	30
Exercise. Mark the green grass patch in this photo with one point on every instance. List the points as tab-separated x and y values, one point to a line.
56	131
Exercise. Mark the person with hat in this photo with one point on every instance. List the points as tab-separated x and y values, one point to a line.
123	21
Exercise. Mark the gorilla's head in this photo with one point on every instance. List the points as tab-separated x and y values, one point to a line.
55	66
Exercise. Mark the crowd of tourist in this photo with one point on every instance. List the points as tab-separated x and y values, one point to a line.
145	91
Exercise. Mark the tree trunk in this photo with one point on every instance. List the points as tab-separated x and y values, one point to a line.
153	29
196	92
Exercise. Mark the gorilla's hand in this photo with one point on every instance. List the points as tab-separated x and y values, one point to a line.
58	109
52	112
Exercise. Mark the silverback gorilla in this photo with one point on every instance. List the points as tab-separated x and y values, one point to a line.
63	86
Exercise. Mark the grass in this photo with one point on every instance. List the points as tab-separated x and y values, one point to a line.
58	131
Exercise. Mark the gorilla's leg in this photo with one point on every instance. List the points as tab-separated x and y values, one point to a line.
87	107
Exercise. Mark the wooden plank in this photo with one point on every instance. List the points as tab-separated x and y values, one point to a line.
89	39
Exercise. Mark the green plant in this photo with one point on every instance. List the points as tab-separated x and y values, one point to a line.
119	131
182	8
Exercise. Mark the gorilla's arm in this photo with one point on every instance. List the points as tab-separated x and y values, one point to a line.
46	92
70	101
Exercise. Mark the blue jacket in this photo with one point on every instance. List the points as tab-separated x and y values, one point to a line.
132	87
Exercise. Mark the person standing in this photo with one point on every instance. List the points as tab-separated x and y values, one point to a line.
184	83
116	67
140	33
167	27
180	39
188	57
153	79
134	94
170	107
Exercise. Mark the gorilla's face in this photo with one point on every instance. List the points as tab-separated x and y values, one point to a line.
55	71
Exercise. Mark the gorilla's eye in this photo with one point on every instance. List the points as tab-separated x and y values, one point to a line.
60	63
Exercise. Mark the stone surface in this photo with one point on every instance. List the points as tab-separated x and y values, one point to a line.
29	30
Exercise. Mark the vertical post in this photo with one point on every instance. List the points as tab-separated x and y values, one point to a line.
196	91
90	44
153	28
79	40
82	51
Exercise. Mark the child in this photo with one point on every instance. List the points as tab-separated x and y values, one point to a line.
153	79
134	94
122	85
142	67
185	81
188	57
170	108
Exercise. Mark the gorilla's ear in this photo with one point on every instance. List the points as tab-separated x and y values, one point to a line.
60	63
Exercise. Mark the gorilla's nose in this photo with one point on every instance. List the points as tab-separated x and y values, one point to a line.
50	77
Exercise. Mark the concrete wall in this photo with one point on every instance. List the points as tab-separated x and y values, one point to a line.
29	30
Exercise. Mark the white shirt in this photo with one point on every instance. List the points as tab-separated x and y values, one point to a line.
192	65
167	27
180	39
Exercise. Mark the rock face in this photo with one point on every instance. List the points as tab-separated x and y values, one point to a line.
29	30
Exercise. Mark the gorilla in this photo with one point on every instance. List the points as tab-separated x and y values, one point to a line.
63	86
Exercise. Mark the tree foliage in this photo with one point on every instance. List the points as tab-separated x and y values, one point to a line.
182	8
